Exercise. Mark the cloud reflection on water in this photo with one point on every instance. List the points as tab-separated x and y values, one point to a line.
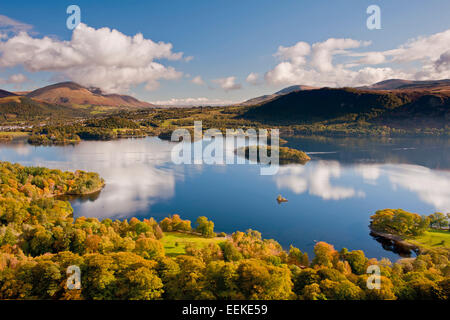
431	186
139	173
134	172
315	178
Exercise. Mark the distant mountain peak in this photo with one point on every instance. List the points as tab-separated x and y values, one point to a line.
401	84
69	93
294	88
266	98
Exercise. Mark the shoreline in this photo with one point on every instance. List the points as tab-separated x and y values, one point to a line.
397	240
87	193
75	194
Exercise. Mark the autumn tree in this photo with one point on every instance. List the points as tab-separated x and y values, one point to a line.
325	254
205	227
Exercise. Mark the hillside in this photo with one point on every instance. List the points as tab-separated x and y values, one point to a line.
23	108
4	93
325	103
73	94
428	110
348	104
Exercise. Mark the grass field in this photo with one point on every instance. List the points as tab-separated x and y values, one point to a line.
14	133
433	239
171	239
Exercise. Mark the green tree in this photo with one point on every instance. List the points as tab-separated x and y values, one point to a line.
295	256
149	248
357	261
325	254
264	282
438	220
143	284
205	227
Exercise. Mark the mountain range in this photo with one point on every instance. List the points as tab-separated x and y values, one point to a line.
387	100
399	84
387	85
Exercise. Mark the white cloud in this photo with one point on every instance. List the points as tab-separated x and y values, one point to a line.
316	64
228	83
198	80
14	79
368	58
104	58
253	78
323	52
202	101
297	53
421	48
443	63
17	78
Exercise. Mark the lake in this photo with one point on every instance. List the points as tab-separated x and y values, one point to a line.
331	198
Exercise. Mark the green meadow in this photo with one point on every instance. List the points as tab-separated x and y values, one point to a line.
175	242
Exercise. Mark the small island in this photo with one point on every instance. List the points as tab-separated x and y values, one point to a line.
286	155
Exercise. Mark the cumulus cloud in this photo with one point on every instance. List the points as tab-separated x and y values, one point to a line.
368	58
323	52
421	48
202	101
14	79
17	78
198	80
104	58
253	78
228	83
297	53
343	62
443	63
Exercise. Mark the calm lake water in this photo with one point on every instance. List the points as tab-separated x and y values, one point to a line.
331	198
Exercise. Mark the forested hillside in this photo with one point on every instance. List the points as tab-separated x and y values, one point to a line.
15	108
126	259
415	109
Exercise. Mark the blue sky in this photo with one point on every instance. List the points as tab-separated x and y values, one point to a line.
236	38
